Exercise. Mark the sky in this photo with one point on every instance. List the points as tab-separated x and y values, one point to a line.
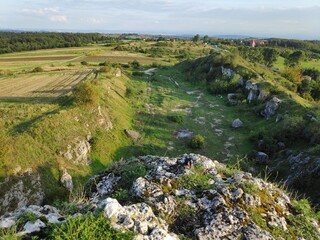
299	19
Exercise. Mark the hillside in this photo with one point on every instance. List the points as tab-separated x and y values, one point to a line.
68	114
286	129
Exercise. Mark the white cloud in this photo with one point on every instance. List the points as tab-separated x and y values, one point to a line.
58	18
93	20
39	11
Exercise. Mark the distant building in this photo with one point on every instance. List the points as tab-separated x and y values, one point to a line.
255	43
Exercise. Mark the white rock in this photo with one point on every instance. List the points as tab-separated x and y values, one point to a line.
112	208
54	218
181	192
208	164
30	227
139	186
66	180
7	222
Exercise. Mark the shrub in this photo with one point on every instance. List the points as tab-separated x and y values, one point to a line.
37	69
86	94
24	218
129	92
176	118
88	227
197	142
6	72
84	63
105	69
137	73
131	171
135	64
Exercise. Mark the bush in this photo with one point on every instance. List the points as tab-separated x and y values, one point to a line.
197	142
137	73
176	118
129	92
84	63
86	94
135	64
37	69
105	69
88	227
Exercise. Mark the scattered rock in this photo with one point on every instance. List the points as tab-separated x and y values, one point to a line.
281	145
262	158
45	214
117	72
234	98
135	136
66	180
31	227
237	123
279	118
183	133
271	108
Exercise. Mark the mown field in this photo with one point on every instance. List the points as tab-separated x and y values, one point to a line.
41	85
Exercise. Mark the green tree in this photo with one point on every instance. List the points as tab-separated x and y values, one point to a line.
196	38
294	59
270	56
206	39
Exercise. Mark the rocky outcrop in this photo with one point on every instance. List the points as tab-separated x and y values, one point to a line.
78	151
303	171
255	92
227	72
45	214
190	196
138	218
222	209
103	120
24	189
271	108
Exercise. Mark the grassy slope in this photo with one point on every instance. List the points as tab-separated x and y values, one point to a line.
38	131
305	64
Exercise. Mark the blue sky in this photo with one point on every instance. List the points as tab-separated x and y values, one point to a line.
268	18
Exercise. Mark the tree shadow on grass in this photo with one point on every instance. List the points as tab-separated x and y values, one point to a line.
24	126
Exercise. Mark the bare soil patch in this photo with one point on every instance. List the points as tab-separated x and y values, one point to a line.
24	59
117	59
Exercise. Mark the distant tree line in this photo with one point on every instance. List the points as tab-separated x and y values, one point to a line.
313	46
26	41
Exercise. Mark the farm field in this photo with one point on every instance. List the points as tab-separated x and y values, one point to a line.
41	85
61	70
